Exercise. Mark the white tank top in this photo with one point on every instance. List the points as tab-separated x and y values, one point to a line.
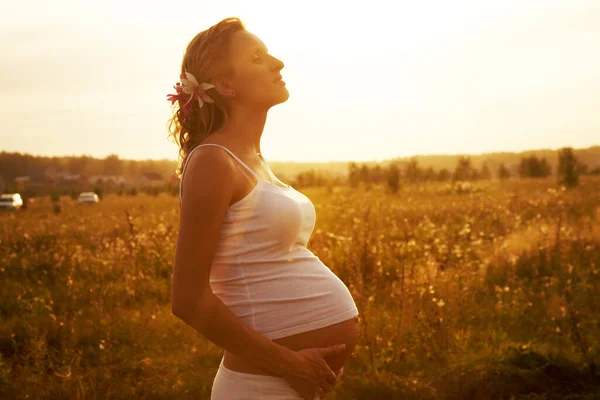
262	269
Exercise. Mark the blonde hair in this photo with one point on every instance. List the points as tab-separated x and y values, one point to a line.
205	57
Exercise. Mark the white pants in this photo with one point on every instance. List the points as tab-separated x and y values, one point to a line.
233	385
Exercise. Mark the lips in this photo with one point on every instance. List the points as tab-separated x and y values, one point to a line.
278	79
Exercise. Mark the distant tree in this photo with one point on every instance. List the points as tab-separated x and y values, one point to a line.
76	165
429	174
305	178
464	170
524	168
443	175
412	171
534	167
568	169
132	169
377	174
364	173
112	165
503	172
312	178
485	172
353	174
393	177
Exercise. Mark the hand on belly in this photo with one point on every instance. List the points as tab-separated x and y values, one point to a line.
346	332
310	390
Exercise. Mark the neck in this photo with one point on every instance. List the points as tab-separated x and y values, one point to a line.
246	126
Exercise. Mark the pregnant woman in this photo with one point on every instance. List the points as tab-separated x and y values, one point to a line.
243	276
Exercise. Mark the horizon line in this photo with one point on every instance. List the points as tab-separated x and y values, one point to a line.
315	161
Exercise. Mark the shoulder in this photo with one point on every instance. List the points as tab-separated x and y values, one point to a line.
209	172
209	160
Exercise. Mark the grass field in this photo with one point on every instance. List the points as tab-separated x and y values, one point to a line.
480	291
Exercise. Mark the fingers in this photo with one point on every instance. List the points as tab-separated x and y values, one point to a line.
320	394
322	374
331	381
331	378
332	350
327	387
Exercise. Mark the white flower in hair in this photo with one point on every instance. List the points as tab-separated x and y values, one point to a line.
196	90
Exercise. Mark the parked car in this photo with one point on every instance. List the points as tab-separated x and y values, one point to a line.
11	201
88	198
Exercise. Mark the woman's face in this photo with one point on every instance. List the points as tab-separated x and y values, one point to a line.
255	74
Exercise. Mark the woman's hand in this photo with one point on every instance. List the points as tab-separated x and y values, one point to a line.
307	371
309	390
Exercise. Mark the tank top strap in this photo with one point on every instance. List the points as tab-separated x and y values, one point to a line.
234	156
210	144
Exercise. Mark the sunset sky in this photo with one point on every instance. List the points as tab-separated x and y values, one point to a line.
368	80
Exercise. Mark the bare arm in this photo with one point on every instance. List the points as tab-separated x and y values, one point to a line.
207	192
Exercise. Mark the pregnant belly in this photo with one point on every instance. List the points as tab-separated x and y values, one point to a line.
346	332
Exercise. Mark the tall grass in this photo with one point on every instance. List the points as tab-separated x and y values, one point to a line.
482	291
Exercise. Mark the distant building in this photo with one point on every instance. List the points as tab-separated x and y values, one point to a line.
35	181
107	179
78	180
152	179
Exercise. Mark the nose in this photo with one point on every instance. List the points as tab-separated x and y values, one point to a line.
278	64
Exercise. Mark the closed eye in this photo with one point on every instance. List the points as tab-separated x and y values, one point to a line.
259	52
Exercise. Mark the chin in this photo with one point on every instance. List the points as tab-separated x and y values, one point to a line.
285	96
281	97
